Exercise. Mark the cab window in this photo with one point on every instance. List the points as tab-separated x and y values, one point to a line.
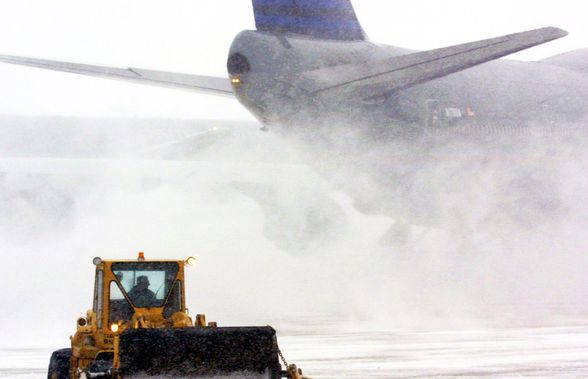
174	303
119	307
146	284
98	296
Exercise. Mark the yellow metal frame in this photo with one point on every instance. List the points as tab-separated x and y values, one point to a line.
90	340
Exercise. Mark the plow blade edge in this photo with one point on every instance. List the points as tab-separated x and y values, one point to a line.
200	352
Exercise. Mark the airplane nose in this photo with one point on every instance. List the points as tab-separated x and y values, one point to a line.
238	64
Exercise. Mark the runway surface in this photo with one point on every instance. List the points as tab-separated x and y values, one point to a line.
554	352
281	241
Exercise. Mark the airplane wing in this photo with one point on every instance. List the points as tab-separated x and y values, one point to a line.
373	79
205	84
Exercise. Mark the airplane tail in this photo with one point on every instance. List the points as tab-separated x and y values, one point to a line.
324	19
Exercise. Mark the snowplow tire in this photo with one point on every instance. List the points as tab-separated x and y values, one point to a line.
196	352
59	364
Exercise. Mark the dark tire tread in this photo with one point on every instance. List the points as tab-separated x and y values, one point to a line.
59	364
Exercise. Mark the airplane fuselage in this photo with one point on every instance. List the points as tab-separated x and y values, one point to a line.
363	136
502	93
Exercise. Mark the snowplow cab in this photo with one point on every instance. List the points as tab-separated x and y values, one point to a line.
139	327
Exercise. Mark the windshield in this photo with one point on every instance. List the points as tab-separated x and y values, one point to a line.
147	284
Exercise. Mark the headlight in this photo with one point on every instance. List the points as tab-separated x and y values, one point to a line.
190	261
114	328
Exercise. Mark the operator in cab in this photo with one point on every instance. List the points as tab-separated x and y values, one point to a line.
141	295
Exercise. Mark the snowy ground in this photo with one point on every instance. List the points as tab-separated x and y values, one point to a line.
516	353
276	241
555	352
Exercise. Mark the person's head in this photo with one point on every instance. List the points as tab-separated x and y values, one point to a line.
143	281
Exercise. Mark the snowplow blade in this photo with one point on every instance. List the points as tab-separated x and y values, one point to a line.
250	352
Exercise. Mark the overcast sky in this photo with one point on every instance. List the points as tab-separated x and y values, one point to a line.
194	36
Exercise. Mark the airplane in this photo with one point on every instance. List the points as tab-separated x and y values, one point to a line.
312	60
310	73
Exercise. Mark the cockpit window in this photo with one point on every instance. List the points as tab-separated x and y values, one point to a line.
147	284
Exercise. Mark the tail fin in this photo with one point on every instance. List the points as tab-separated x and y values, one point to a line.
325	19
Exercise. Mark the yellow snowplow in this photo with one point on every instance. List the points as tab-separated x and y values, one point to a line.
139	327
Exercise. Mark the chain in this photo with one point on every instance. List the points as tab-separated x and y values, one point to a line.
282	358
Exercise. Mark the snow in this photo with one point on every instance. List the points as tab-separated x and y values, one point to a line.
553	352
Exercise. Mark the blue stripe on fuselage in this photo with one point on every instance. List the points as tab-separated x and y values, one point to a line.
329	19
309	4
298	22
